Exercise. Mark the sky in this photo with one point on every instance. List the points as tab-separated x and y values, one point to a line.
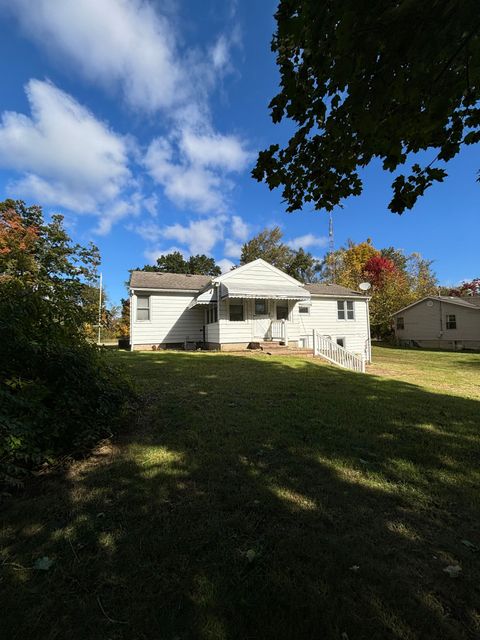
140	122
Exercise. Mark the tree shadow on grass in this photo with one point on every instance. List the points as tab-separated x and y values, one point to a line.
257	498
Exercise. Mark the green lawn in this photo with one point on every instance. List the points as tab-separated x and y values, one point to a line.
259	497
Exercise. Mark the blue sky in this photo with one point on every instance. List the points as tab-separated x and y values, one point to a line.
140	122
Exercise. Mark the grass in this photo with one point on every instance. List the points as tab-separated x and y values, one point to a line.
262	497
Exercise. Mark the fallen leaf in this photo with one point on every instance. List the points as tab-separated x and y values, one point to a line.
453	570
43	564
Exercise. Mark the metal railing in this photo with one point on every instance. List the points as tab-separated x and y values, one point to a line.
334	353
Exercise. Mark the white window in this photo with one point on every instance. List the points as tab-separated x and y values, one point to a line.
282	310
400	322
236	311
341	342
451	321
304	309
345	310
143	308
261	308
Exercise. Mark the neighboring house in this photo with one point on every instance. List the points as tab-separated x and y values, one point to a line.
442	322
253	303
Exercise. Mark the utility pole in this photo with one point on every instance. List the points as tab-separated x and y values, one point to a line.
100	310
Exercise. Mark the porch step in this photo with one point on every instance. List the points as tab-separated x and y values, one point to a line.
272	345
274	348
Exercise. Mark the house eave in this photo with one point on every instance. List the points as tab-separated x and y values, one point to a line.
156	290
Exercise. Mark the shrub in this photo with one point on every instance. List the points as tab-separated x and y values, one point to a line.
58	393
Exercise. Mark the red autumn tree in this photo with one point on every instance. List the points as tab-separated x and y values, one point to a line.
471	288
377	269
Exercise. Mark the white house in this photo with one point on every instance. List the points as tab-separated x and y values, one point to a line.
441	322
254	303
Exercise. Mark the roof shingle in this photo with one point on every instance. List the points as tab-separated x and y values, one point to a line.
169	281
320	288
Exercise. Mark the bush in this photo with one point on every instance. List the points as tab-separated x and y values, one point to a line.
58	393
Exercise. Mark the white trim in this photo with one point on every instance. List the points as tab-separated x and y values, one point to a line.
244	319
369	335
345	311
132	295
149	319
338	296
154	290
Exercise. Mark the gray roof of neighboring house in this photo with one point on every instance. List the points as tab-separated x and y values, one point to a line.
469	302
180	281
465	301
332	290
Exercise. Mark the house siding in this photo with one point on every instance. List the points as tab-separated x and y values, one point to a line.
171	322
323	318
258	274
427	323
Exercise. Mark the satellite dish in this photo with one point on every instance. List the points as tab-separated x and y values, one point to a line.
364	286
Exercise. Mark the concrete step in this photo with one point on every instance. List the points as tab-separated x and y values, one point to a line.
285	351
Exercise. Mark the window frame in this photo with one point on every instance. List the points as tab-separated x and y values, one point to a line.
147	308
264	301
304	306
236	304
346	308
211	314
282	304
449	321
400	321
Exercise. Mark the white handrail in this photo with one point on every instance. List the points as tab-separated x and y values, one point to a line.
334	353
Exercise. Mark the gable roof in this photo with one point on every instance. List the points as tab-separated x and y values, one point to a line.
168	281
469	302
249	265
321	289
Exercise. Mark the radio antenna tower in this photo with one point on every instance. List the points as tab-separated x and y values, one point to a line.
331	242
331	245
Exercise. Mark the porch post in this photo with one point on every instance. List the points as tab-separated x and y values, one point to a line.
314	342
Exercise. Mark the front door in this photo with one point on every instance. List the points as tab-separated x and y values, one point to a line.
261	319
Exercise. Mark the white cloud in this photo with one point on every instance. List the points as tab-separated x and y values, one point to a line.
131	47
307	241
199	236
122	43
214	150
66	155
193	169
186	186
225	265
125	208
221	53
240	229
232	249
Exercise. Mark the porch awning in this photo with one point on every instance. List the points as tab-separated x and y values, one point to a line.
206	297
283	292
